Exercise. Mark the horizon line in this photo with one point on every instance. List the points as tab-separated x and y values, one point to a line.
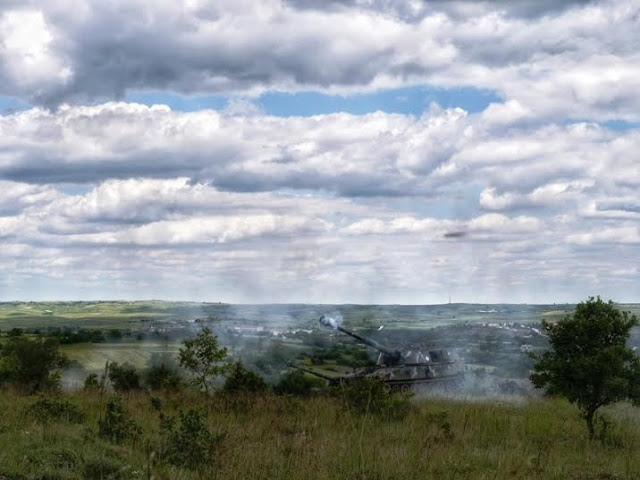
121	300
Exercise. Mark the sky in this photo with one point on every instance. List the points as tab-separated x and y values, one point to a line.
329	151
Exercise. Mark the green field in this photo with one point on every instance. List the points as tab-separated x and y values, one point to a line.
90	314
268	437
94	356
114	314
134	314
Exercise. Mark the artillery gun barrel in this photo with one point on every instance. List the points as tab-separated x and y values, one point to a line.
388	357
371	343
311	372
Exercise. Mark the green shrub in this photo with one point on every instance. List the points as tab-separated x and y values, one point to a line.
117	425
31	364
57	409
92	382
295	382
15	332
124	377
190	444
241	380
163	377
51	461
114	334
372	396
103	468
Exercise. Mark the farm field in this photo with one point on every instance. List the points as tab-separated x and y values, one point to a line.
94	356
90	314
114	314
123	314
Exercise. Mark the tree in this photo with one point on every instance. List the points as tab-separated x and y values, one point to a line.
589	363
203	358
241	380
31	364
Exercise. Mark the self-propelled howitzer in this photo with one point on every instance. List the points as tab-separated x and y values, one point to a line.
397	369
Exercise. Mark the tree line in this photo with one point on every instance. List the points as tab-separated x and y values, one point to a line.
33	363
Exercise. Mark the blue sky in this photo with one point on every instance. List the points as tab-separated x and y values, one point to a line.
408	100
356	152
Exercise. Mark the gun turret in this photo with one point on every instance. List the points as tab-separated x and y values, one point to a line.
387	356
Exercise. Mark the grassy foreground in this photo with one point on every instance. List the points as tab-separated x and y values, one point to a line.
271	437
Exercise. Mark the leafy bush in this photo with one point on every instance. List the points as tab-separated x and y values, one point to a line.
52	462
31	364
117	425
56	409
114	334
372	396
296	382
92	382
124	377
190	444
241	380
103	468
81	335
163	376
15	332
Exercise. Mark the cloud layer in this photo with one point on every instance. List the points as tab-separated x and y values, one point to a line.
576	58
532	199
319	205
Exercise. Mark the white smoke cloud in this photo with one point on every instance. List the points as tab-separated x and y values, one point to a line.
328	321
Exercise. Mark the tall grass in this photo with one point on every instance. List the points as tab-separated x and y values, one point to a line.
270	437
